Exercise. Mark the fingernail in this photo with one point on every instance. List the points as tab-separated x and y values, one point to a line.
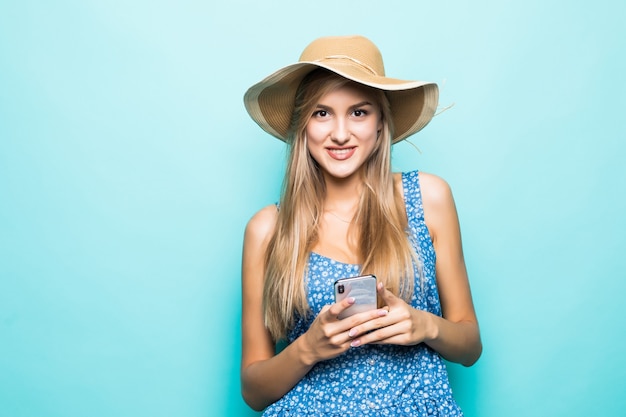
351	300
351	333
382	312
355	343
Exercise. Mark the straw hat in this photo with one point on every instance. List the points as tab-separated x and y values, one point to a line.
271	101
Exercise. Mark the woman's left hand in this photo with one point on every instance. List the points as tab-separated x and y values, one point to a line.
403	325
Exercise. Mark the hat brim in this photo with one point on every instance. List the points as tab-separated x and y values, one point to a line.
270	102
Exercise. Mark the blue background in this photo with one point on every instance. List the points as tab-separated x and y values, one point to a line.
129	167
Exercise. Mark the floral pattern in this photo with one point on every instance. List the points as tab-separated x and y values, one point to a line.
374	380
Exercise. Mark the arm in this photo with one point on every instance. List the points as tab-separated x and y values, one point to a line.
455	335
265	376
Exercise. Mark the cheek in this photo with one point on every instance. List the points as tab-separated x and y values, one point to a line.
315	134
369	130
312	140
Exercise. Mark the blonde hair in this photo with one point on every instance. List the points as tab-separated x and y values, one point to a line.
379	228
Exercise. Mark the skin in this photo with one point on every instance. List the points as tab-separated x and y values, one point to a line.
341	134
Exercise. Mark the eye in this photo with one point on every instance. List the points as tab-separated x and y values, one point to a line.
320	113
360	113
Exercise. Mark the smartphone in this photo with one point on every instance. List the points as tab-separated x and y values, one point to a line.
362	288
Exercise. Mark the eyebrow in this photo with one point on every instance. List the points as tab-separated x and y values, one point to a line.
361	104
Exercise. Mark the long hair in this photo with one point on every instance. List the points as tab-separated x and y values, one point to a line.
379	228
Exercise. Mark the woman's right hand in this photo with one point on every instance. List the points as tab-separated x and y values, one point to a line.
328	336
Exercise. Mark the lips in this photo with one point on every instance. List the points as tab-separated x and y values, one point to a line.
341	154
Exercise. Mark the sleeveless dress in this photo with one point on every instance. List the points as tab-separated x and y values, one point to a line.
373	380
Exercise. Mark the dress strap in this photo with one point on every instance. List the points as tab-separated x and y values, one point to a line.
412	196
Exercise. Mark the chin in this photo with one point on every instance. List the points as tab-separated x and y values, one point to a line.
342	175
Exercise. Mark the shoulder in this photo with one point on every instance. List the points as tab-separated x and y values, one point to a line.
439	208
261	225
435	190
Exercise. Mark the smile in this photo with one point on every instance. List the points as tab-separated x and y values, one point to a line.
341	153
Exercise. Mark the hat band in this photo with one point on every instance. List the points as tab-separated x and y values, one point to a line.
356	61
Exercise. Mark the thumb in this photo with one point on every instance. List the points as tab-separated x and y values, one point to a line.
387	296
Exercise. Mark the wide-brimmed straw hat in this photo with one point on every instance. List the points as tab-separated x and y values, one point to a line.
270	102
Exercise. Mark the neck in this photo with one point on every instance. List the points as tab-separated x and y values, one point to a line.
342	195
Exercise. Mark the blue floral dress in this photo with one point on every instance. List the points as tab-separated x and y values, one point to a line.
374	380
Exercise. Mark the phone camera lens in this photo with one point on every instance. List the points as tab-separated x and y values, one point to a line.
340	289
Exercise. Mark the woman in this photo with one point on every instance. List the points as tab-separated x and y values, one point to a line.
343	213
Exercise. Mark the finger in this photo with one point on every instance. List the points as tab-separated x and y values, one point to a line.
387	296
397	339
337	308
368	321
381	336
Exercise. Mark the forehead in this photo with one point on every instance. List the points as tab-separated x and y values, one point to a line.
350	91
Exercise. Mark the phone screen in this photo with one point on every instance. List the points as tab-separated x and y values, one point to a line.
362	288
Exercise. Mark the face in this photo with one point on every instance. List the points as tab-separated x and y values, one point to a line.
342	131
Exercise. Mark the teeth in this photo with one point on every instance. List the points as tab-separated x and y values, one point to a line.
341	151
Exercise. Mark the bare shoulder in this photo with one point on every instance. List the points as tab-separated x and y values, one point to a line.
435	190
261	225
439	208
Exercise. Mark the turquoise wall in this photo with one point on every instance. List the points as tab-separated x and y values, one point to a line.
128	169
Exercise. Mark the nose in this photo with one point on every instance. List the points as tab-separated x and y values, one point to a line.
341	132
